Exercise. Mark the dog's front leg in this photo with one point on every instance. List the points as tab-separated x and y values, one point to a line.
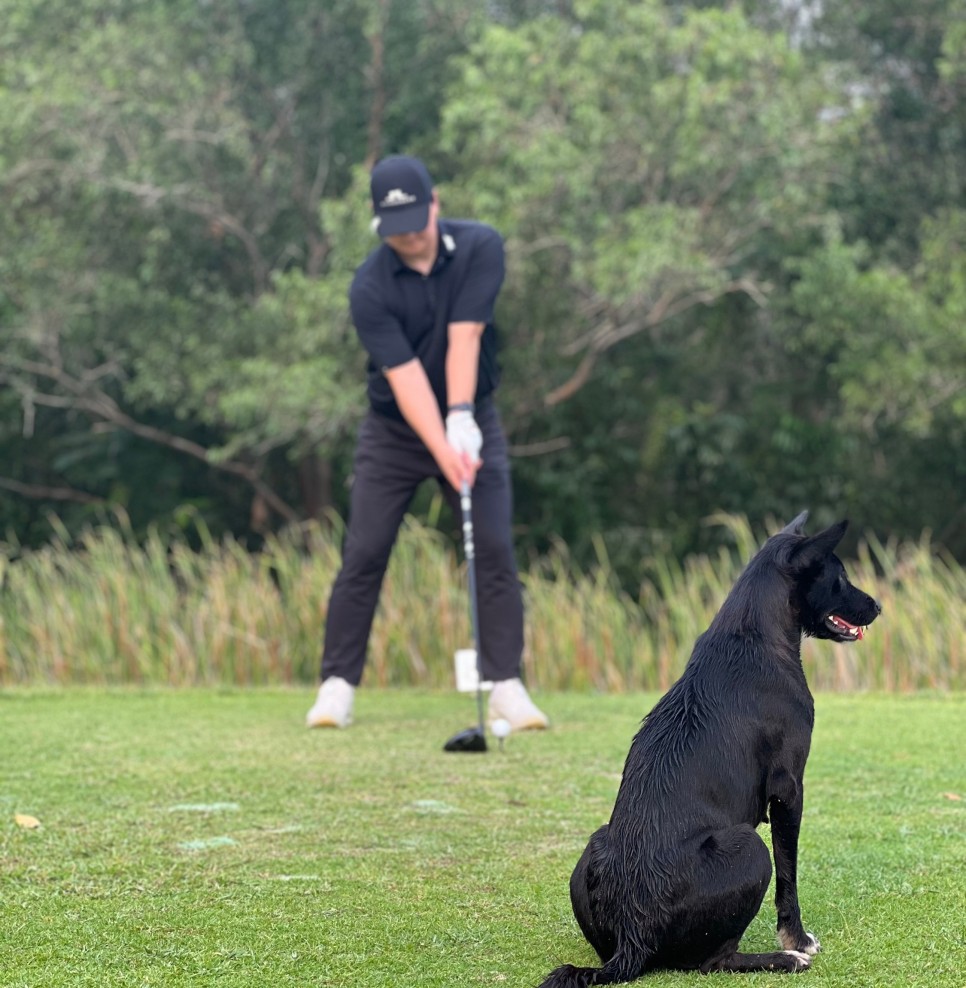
786	820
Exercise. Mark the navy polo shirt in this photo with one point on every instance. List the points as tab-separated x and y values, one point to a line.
396	309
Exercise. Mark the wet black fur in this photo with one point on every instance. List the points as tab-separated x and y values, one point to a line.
679	872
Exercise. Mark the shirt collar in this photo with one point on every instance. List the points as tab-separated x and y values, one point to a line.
445	251
447	243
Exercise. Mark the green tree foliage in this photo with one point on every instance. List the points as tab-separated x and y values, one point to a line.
693	331
168	271
905	63
735	235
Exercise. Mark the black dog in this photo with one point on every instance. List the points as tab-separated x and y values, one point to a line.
679	872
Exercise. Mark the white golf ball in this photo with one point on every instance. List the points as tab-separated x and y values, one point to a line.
501	728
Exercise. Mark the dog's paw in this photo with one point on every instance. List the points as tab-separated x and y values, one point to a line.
801	942
800	960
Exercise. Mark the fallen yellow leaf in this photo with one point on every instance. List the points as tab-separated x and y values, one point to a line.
952	795
25	821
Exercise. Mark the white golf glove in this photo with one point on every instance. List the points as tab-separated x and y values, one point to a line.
463	434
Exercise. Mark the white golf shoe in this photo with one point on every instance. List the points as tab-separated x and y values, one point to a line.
510	701
333	705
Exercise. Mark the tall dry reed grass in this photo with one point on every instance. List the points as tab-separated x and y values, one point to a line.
109	610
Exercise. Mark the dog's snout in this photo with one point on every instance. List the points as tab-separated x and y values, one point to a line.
876	605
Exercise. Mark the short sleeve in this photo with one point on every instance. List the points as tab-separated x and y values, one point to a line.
476	295
380	331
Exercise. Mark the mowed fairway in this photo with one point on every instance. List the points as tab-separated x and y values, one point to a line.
206	838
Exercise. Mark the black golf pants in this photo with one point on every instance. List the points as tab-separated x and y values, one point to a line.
390	463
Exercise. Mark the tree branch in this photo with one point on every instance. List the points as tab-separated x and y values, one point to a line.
607	334
98	404
40	492
151	195
541	448
375	76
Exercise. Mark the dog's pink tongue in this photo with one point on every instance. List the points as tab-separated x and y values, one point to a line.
857	631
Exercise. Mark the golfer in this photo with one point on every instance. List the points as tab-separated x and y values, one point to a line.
422	303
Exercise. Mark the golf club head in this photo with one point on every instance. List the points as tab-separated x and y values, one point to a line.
472	739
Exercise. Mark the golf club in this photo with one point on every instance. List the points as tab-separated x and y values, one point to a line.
473	738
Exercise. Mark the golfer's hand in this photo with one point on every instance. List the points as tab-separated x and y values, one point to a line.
456	467
464	439
463	434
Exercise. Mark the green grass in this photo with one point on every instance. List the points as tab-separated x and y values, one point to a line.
370	858
108	610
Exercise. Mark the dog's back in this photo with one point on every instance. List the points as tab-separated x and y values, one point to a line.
742	704
679	872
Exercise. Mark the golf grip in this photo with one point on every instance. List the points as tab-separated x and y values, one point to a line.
466	506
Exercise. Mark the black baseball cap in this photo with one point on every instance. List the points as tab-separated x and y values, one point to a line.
401	193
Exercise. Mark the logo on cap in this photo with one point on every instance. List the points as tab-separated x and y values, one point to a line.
396	197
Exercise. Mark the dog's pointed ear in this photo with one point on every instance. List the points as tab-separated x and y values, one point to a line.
817	547
796	526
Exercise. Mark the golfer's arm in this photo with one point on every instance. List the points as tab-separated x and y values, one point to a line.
415	398
462	361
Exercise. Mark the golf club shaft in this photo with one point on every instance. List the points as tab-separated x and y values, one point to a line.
466	505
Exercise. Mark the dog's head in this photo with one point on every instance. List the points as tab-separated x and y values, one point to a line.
828	605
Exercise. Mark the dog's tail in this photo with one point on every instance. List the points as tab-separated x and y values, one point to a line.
616	971
569	976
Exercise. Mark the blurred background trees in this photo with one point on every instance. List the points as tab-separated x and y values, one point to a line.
735	235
